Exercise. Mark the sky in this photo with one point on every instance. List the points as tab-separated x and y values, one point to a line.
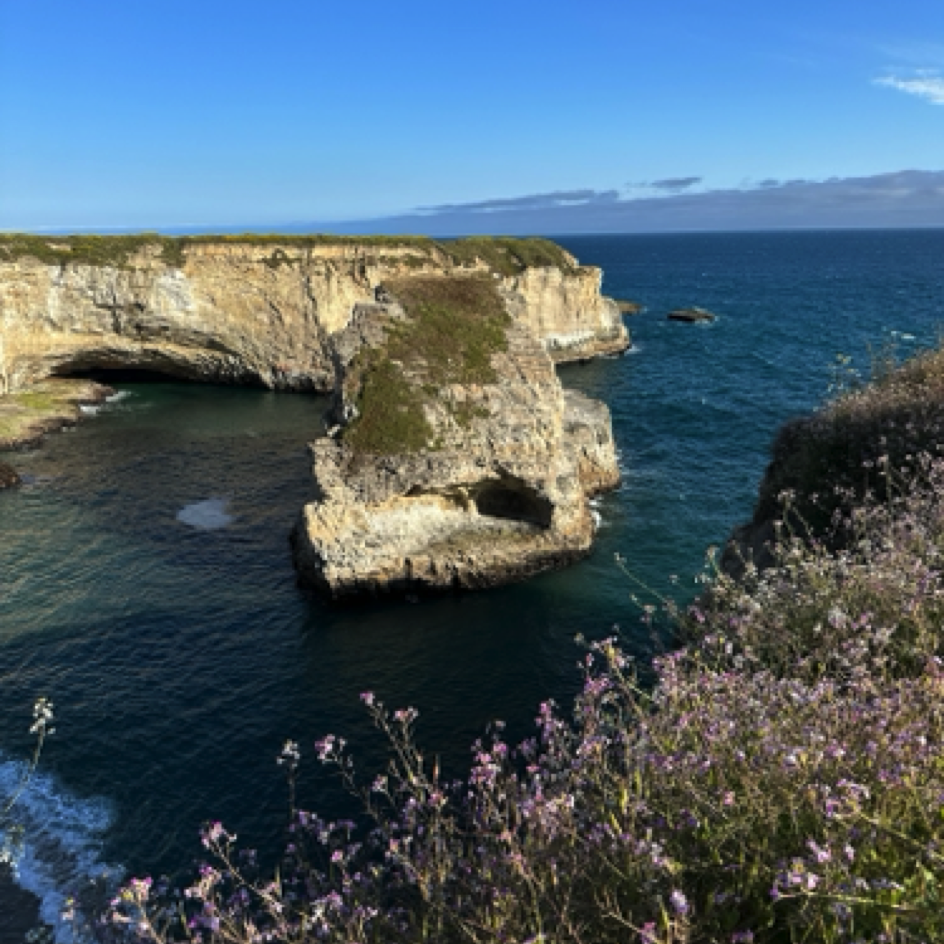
512	116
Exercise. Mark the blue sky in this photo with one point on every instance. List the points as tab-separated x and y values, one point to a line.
210	113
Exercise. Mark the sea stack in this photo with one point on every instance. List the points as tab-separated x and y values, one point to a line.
455	457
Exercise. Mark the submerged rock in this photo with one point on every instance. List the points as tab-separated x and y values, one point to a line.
693	314
455	458
627	307
8	476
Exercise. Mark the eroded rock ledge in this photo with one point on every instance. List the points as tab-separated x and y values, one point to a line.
456	457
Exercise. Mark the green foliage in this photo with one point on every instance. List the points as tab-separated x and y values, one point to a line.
390	418
507	255
115	251
454	328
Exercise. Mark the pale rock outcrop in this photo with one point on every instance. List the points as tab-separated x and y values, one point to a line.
495	496
239	311
567	312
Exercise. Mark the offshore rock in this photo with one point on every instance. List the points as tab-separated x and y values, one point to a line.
692	315
488	476
258	310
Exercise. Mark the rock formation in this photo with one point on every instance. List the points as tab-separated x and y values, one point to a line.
257	310
457	459
692	315
628	307
50	405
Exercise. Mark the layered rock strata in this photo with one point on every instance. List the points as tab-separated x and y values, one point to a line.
258	310
487	476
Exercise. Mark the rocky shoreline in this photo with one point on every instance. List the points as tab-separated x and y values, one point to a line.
48	406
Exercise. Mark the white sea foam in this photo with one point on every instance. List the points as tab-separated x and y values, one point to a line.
62	840
119	395
91	408
209	515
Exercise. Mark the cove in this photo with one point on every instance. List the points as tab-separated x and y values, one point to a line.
180	659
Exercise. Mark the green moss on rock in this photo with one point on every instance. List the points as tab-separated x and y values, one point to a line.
454	328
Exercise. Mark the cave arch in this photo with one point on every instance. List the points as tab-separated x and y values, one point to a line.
150	366
513	499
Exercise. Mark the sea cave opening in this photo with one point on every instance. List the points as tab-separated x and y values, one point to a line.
513	499
113	375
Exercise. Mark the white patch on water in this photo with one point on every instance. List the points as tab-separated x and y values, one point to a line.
92	408
62	840
209	515
598	520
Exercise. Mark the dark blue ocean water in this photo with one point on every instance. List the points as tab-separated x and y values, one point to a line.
180	657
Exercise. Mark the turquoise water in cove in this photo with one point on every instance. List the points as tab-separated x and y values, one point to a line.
146	582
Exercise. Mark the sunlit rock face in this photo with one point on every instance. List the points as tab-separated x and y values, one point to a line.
234	310
491	485
566	312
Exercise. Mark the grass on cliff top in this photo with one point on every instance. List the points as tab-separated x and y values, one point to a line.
853	440
505	255
455	327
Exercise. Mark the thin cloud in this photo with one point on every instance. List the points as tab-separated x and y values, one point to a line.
533	201
675	184
928	87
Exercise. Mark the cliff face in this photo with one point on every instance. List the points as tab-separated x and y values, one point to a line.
260	311
467	474
566	311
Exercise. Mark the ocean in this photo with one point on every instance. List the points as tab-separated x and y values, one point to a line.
146	581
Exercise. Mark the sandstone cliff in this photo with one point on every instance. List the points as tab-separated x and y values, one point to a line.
457	459
258	309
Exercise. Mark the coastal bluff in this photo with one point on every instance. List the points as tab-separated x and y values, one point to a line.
454	457
259	309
